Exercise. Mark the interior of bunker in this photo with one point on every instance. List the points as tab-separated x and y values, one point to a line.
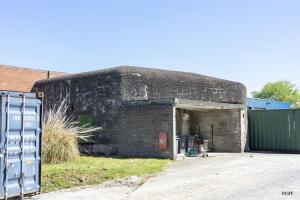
219	130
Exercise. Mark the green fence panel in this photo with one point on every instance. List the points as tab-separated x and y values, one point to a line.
274	130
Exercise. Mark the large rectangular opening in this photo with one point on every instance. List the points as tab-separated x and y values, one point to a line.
223	125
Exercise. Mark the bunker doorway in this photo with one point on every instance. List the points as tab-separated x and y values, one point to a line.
222	127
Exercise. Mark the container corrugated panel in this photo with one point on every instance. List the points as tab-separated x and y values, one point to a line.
20	157
274	130
267	104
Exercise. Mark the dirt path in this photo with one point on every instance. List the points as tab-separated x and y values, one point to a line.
218	177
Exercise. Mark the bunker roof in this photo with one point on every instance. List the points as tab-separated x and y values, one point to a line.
144	72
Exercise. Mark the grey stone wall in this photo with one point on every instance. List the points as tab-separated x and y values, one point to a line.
226	128
140	127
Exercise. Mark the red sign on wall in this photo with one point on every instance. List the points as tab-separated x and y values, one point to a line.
163	141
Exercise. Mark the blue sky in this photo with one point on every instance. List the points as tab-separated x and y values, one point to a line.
252	42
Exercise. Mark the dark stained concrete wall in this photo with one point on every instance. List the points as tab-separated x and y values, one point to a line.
98	95
144	83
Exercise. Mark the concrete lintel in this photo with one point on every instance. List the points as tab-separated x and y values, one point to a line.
195	104
163	101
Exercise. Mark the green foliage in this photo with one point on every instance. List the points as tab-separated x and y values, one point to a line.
281	91
95	170
60	135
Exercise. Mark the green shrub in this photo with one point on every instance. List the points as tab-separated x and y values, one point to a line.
60	135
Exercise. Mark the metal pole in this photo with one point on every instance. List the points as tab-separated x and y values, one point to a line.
23	150
41	115
212	137
6	146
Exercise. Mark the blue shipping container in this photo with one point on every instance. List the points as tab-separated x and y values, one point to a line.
20	156
267	104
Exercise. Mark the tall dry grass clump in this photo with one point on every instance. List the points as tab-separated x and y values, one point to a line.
60	135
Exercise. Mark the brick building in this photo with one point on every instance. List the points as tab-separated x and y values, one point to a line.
22	79
142	111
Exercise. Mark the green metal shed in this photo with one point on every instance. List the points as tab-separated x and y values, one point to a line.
274	130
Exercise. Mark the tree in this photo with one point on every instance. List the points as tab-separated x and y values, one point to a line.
280	91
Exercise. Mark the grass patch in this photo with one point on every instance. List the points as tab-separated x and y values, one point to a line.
94	170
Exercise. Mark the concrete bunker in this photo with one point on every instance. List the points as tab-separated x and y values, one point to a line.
139	107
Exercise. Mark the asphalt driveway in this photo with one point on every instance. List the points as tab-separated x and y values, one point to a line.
227	177
218	177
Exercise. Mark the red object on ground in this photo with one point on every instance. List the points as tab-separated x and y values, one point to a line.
163	141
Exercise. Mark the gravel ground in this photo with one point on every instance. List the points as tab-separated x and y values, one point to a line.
218	177
112	190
